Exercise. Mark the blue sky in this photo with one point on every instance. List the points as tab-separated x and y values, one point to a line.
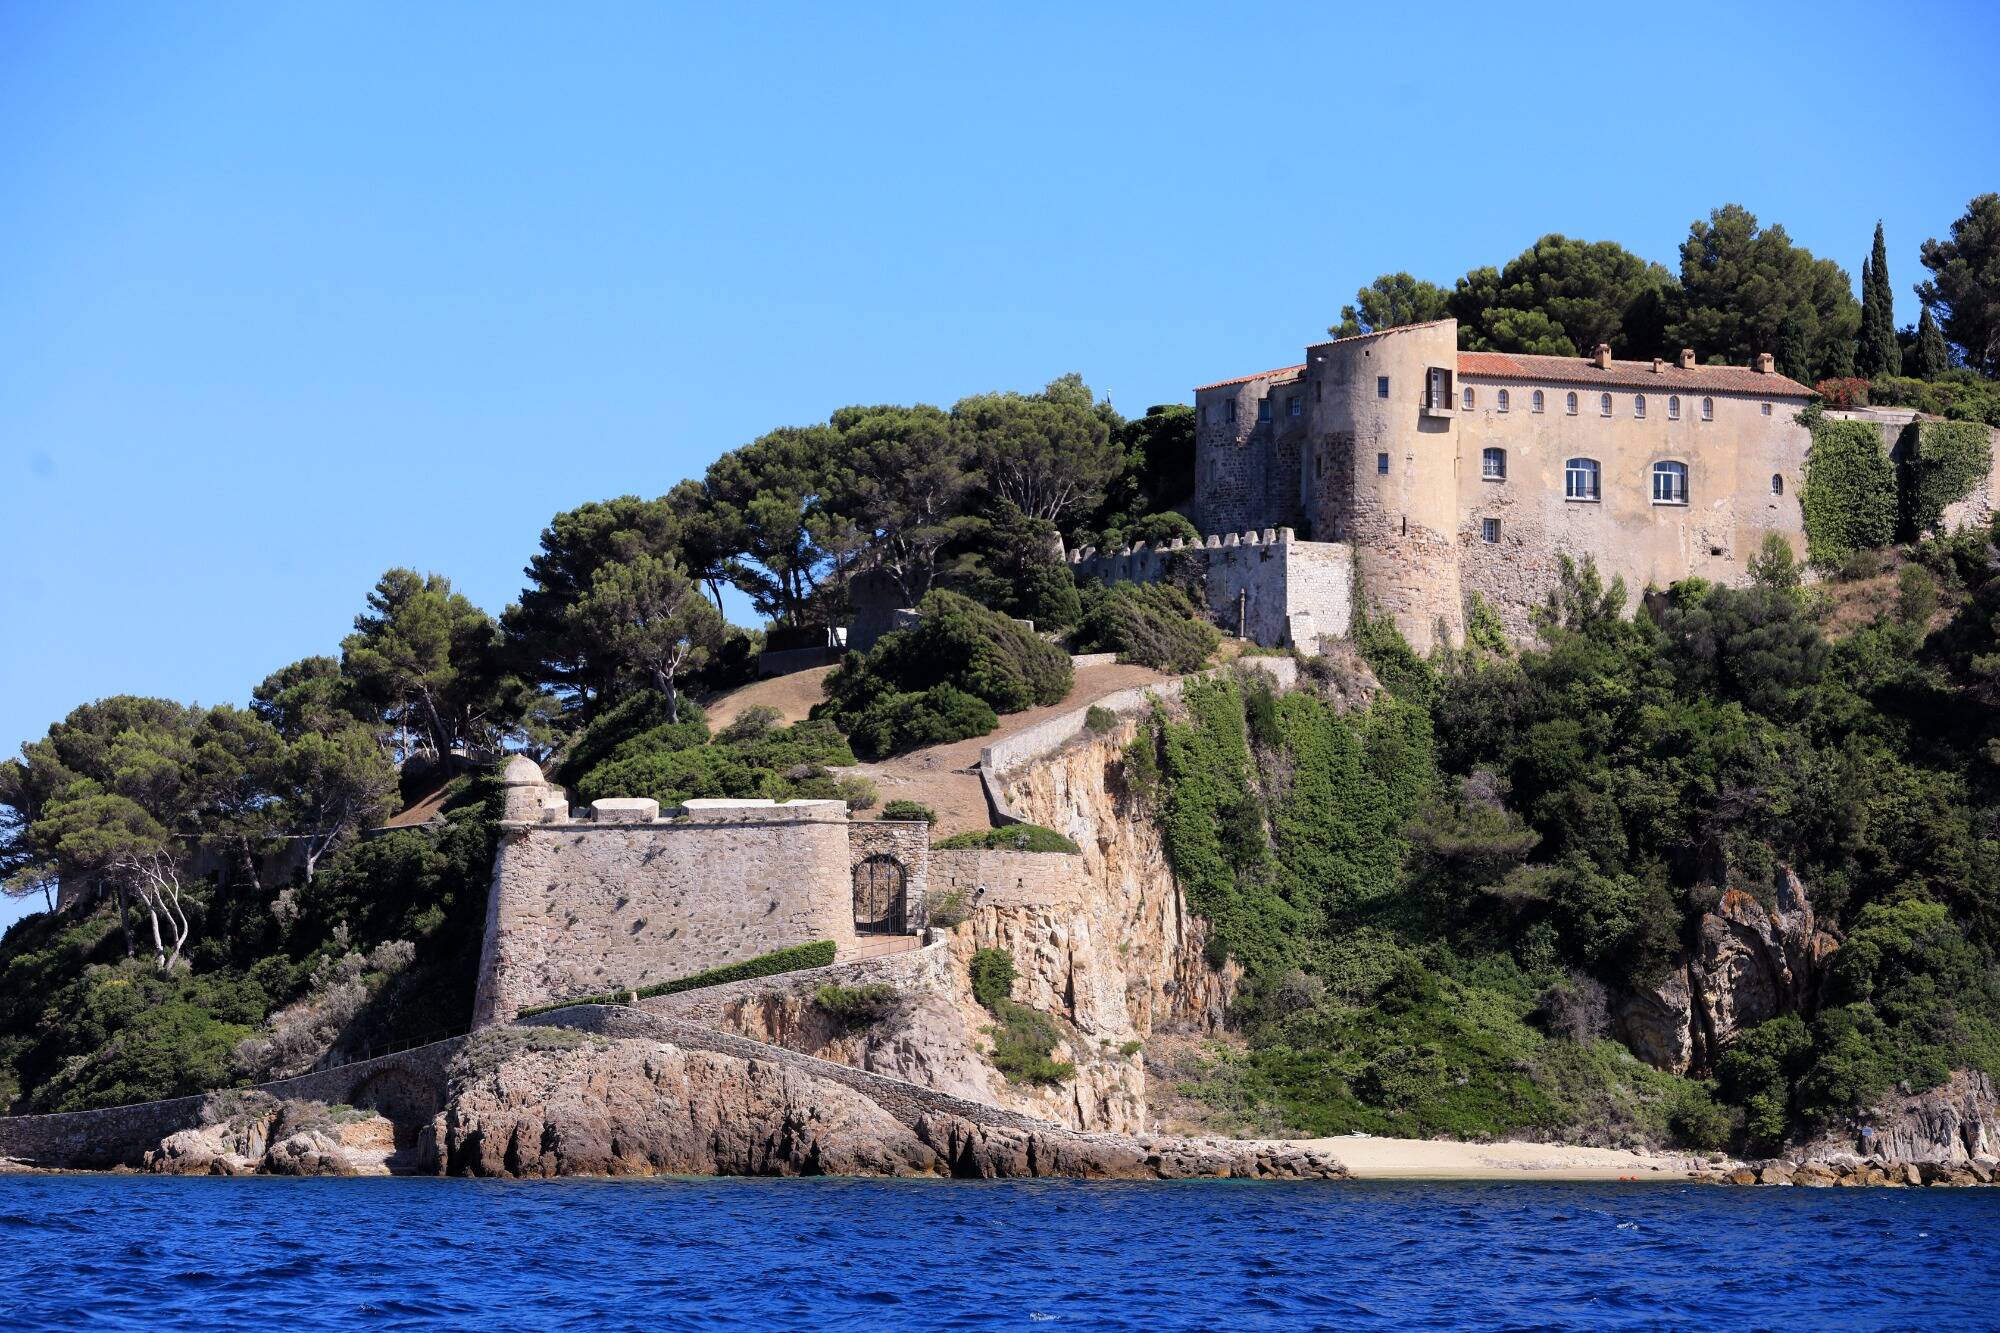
290	294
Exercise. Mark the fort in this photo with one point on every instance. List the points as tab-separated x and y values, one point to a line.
1436	474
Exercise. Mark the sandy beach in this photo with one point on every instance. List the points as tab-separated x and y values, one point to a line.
1370	1158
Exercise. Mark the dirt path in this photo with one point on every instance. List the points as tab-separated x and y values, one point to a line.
946	778
793	696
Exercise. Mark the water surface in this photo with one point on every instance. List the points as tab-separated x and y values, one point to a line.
158	1253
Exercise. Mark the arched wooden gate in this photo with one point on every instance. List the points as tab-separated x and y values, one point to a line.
881	889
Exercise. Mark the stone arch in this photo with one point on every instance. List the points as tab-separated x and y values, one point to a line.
881	895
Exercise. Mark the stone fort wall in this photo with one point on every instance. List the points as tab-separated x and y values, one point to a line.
578	908
1267	586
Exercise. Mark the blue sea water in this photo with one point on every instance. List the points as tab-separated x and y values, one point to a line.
161	1253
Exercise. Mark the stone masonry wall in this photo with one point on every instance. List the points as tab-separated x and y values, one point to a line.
580	908
404	1085
909	842
1281	592
1010	879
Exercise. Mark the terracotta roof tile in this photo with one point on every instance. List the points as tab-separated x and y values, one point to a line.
1245	379
1629	374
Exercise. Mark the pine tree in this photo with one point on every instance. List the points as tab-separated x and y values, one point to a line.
1932	359
1877	352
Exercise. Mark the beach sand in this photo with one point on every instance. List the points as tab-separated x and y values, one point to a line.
1369	1158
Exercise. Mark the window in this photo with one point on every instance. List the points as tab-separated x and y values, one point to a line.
1317	386
1639	406
1674	408
1708	409
1535	403
1493	465
1777	484
1766	408
1468	397
1580	479
1571	405
1489	530
1604	404
1292	407
1670	483
1502	403
1382	464
1437	389
1381	386
1229	409
1263	409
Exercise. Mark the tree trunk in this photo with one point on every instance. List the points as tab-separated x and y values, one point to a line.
125	921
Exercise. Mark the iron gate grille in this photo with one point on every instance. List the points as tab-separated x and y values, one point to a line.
879	888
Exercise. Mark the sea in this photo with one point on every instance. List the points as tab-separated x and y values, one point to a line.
108	1252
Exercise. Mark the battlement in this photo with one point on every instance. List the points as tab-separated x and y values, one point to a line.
1262	584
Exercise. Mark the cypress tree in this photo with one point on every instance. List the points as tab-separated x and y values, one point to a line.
1932	359
1878	352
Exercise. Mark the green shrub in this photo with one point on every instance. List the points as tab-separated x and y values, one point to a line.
946	908
795	958
1023	1040
1152	624
1859	565
909	810
1696	1120
750	724
894	723
672	764
1943	463
1849	492
858	1005
1098	720
992	976
1013	838
959	643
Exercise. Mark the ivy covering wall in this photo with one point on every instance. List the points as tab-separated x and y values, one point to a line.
1849	495
1942	464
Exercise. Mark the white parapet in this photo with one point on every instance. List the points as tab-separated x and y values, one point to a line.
625	810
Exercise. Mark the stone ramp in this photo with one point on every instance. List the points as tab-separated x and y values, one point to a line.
973	1139
877	946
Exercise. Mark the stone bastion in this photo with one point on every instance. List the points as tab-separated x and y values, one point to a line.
623	896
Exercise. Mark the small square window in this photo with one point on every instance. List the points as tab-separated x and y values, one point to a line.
1489	530
1292	406
1382	464
1766	409
1381	386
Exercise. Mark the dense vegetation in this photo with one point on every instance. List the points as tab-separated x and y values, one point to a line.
1440	899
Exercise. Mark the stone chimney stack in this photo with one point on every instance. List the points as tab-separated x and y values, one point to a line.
1658	365
1687	358
1602	358
1763	363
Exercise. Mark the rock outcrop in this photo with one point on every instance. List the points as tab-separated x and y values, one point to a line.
254	1133
1949	1126
567	1105
1749	963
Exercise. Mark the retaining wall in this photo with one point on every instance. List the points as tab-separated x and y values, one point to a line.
1265	585
406	1086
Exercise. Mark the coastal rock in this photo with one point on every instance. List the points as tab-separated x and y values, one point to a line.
550	1105
1953	1126
1750	963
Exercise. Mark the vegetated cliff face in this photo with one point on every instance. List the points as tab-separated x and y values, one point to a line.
1749	963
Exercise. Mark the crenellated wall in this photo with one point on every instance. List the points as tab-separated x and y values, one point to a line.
1264	585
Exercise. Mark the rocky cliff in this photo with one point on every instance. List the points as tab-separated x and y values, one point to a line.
1750	962
568	1104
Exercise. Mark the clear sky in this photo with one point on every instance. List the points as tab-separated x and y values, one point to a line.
290	294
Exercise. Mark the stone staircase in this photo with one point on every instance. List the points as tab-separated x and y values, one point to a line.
876	946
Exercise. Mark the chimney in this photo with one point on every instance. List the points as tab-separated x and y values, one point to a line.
1687	358
1763	363
1603	356
1658	365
